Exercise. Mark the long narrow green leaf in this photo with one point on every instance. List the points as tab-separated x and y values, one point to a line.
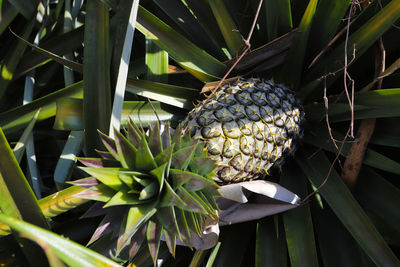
233	245
359	41
19	148
346	208
118	27
291	71
270	244
162	92
120	86
387	138
10	208
96	75
33	171
17	199
328	16
206	19
298	222
382	103
70	114
156	61
18	186
110	3
8	14
74	143
373	104
66	62
337	246
227	26
25	7
19	117
164	89
321	139
195	60
213	255
62	201
7	203
59	45
379	196
190	25
9	64
278	18
70	252
67	160
68	26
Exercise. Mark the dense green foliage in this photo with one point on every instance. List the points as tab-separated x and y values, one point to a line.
102	61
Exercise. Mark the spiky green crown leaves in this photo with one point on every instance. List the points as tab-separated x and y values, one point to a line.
160	183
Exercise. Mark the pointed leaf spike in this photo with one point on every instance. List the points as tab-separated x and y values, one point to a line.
133	133
153	235
170	198
126	151
202	166
108	224
136	218
166	136
105	155
191	180
165	157
122	198
109	143
176	137
171	242
166	216
85	182
99	192
146	160
192	202
155	140
91	162
159	173
137	241
182	157
98	162
183	226
108	176
193	223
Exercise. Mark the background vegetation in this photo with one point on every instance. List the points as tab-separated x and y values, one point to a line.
69	68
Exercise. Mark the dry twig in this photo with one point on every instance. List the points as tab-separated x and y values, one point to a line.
354	159
247	45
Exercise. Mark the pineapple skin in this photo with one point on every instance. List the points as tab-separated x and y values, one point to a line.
249	126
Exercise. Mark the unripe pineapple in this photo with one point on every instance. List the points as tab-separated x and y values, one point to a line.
249	126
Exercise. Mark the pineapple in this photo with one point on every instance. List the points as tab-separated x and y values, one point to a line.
161	184
249	126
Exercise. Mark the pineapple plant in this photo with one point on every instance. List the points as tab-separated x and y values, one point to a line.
339	59
160	183
166	185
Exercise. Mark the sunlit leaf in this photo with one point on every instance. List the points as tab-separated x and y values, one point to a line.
96	72
347	209
198	62
69	251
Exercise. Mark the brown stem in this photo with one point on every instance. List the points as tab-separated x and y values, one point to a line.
352	165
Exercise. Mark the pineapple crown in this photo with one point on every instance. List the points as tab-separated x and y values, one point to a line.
161	182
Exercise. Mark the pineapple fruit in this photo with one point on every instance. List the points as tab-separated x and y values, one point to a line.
249	126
